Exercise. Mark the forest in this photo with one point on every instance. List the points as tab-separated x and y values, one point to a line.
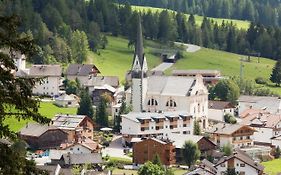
66	30
266	12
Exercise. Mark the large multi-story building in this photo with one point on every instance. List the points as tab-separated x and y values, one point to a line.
162	104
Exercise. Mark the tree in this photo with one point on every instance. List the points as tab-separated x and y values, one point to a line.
227	149
277	152
227	90
228	118
85	104
275	76
117	119
156	160
101	114
196	128
150	168
190	153
231	171
16	95
79	46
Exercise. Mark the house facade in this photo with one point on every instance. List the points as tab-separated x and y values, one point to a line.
138	125
76	126
40	136
67	100
51	79
241	163
234	134
218	109
147	149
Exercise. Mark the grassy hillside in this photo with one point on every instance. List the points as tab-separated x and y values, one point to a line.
117	58
272	167
239	23
46	109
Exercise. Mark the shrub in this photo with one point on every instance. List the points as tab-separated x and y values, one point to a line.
260	80
229	119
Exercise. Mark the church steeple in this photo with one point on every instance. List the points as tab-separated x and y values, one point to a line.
139	64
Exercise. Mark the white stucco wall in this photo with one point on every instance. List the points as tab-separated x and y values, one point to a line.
78	149
218	114
48	86
263	134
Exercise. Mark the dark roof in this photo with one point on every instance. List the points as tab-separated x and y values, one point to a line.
220	105
81	69
52	168
77	159
139	43
36	130
242	156
45	70
208	164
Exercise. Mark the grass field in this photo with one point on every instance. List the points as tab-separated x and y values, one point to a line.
117	58
135	172
46	109
272	167
239	23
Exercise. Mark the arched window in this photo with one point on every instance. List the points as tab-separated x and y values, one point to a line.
171	103
152	102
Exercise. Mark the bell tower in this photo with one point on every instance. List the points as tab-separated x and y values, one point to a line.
139	72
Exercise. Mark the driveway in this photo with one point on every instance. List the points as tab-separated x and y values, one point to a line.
162	67
190	47
115	148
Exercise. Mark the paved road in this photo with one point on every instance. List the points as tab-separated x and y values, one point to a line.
115	148
162	67
190	47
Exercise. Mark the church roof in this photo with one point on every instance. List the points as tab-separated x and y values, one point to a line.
170	85
139	52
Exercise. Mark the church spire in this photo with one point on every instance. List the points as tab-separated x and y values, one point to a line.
139	42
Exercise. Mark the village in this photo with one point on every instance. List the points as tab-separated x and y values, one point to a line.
166	115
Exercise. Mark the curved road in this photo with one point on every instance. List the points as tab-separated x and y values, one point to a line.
190	47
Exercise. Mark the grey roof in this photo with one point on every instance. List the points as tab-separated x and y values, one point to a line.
56	154
52	169
45	71
35	129
77	159
219	105
66	97
254	99
81	69
71	122
197	71
170	85
180	139
136	116
102	80
243	157
225	128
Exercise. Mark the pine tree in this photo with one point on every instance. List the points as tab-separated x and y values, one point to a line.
190	153
101	114
276	73
85	104
196	128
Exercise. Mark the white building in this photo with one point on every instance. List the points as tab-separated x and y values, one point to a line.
271	104
217	110
67	100
165	93
50	74
137	125
241	163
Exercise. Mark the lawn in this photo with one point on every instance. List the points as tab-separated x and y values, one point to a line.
272	167
134	172
46	109
117	58
199	19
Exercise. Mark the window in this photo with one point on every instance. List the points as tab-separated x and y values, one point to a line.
171	103
222	165
78	149
198	108
241	138
248	137
242	164
152	102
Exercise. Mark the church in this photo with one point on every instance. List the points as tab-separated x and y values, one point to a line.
162	104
